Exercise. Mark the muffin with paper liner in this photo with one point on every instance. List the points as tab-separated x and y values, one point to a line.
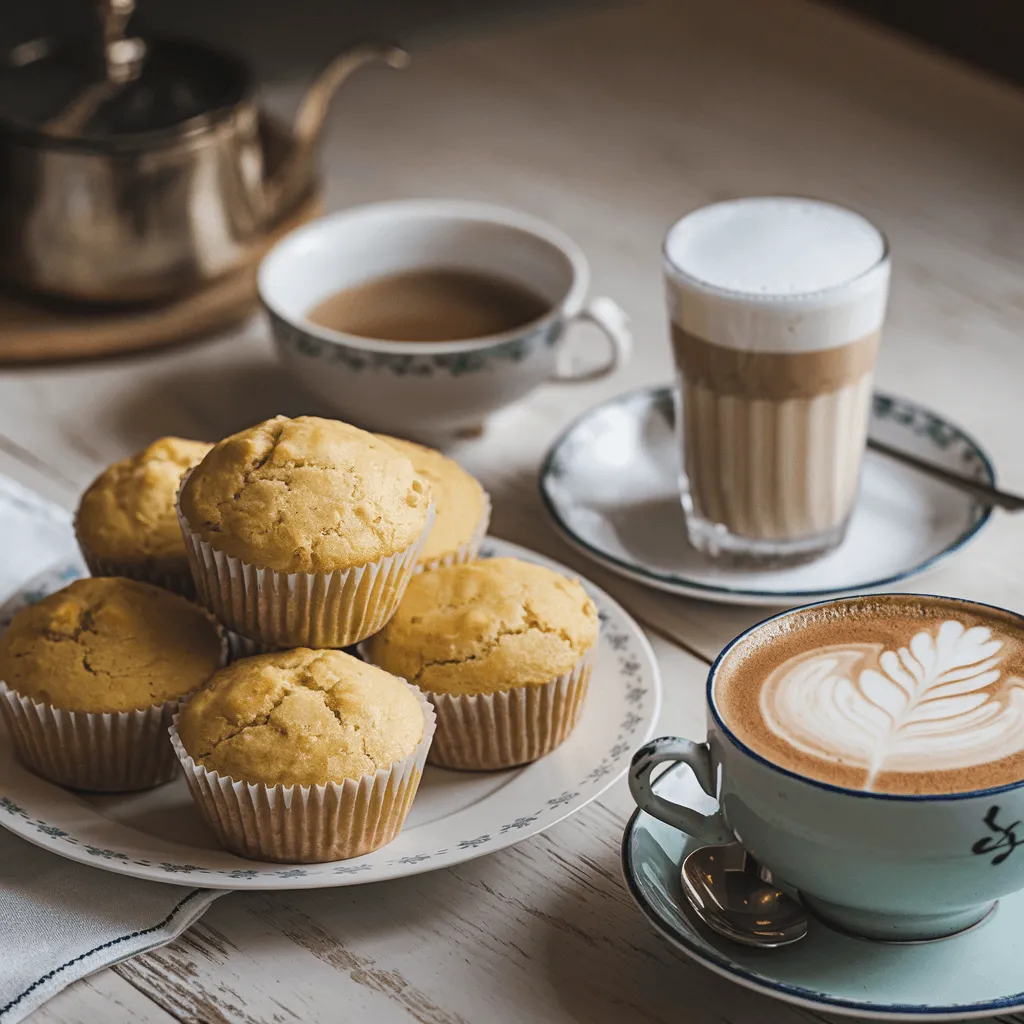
90	678
461	505
126	523
503	649
304	756
304	532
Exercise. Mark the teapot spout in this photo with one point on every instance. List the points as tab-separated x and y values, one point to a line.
296	175
309	121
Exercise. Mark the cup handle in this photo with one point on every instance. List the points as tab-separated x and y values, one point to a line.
611	319
708	828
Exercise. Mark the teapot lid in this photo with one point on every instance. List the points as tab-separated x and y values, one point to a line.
179	86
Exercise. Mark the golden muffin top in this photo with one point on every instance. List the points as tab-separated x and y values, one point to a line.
306	495
487	626
108	644
127	514
460	503
301	718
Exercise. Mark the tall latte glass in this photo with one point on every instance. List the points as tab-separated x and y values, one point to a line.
776	309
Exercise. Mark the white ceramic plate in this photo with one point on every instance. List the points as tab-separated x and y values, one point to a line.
609	483
979	973
457	816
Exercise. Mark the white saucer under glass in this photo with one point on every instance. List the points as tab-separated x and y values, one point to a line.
609	483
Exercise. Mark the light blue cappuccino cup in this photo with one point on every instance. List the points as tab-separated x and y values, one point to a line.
880	865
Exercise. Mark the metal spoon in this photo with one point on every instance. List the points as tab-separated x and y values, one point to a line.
985	493
734	896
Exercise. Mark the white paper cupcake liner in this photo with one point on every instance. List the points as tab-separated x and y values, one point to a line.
101	753
242	647
299	609
308	824
488	732
178	582
465	552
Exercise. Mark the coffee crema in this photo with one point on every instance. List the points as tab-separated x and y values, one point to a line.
430	305
901	694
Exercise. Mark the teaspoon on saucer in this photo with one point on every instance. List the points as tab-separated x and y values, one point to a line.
985	493
734	896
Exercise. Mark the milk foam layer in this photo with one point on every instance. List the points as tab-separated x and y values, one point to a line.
777	274
931	704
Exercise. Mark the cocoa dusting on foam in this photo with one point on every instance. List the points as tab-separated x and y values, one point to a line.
886	694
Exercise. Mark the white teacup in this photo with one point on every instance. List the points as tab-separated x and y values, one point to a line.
432	387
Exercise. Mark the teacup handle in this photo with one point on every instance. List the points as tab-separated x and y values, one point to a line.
708	828
611	319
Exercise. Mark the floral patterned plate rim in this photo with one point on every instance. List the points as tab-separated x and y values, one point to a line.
457	816
609	483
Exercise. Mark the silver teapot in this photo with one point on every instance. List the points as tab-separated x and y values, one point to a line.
151	171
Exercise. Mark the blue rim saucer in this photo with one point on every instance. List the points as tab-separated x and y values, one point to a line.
609	484
979	973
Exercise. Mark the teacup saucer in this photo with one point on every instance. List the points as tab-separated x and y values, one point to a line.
978	973
609	482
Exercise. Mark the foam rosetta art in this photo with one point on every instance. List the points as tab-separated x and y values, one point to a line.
940	703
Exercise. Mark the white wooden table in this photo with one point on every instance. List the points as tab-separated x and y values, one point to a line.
609	123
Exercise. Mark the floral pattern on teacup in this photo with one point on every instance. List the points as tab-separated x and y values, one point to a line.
299	342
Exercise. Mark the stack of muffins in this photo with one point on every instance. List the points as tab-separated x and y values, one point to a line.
297	538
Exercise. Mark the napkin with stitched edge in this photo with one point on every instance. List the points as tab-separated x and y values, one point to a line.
60	921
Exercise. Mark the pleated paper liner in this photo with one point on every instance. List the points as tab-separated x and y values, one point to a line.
489	732
179	582
102	753
465	552
299	609
308	824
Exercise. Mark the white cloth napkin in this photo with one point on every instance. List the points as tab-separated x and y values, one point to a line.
60	921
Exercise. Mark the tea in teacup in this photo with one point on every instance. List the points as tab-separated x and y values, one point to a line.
430	304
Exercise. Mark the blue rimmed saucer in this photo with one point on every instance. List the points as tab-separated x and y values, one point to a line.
979	973
609	483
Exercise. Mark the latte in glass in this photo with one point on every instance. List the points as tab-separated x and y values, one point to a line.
899	694
776	307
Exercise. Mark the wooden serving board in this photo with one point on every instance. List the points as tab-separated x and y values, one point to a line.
34	331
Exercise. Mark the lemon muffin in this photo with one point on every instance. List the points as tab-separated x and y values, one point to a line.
92	674
331	751
462	506
304	532
502	648
126	524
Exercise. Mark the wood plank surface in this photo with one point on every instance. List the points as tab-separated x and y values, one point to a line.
610	123
103	997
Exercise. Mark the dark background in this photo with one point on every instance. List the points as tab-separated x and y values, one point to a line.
285	37
986	33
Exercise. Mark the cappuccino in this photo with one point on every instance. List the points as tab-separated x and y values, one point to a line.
776	309
892	694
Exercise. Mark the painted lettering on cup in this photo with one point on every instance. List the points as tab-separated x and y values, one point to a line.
1004	840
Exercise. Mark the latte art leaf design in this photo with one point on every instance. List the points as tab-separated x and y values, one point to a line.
940	703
